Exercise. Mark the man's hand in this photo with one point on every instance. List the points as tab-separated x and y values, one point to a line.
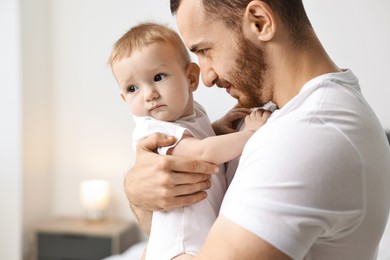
162	182
229	122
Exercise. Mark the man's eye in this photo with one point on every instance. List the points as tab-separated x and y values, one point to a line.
159	77
202	52
132	88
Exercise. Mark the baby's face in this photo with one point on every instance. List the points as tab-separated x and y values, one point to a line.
154	82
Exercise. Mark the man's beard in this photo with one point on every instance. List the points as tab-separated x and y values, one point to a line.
248	75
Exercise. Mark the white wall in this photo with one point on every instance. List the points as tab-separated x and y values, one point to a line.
36	108
356	34
10	132
75	127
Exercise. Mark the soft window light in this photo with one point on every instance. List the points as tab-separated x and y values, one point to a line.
94	197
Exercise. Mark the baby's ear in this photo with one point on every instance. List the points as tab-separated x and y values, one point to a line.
193	75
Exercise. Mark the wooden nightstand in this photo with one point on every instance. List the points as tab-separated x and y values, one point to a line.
71	238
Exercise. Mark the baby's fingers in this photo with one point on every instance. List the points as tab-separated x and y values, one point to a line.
260	114
266	114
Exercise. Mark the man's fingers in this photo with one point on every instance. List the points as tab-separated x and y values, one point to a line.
243	110
177	196
186	200
174	163
190	178
155	140
229	130
237	115
187	189
186	165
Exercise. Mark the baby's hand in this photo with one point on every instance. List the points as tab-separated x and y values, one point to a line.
228	123
256	119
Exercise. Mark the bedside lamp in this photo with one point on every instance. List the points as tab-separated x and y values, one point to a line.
94	198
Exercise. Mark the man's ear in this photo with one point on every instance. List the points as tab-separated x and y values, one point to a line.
259	22
193	75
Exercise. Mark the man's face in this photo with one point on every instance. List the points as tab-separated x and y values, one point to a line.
226	59
249	74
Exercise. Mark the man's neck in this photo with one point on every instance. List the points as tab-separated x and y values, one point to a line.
297	65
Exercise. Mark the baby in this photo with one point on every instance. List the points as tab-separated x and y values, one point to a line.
157	79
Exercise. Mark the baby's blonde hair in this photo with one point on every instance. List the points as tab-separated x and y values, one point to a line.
144	34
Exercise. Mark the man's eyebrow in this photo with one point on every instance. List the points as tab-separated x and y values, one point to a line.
194	48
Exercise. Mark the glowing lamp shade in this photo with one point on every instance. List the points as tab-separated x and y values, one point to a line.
94	197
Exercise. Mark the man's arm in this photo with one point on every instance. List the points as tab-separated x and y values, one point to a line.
229	241
144	218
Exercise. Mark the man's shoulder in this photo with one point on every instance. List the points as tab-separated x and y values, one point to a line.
307	137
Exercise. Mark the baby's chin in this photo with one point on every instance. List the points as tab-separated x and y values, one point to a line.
165	117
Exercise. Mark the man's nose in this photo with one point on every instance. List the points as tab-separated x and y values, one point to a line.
209	76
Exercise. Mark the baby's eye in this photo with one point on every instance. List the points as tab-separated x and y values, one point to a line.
159	77
132	88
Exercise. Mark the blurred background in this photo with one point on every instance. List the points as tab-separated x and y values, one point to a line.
62	121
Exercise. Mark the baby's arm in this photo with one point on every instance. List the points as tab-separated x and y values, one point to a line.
221	148
229	122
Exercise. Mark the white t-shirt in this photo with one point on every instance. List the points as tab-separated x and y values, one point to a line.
182	230
314	181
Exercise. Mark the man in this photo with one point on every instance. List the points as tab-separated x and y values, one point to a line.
313	183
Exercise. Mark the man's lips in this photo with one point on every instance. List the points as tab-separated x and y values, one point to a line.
227	87
224	84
